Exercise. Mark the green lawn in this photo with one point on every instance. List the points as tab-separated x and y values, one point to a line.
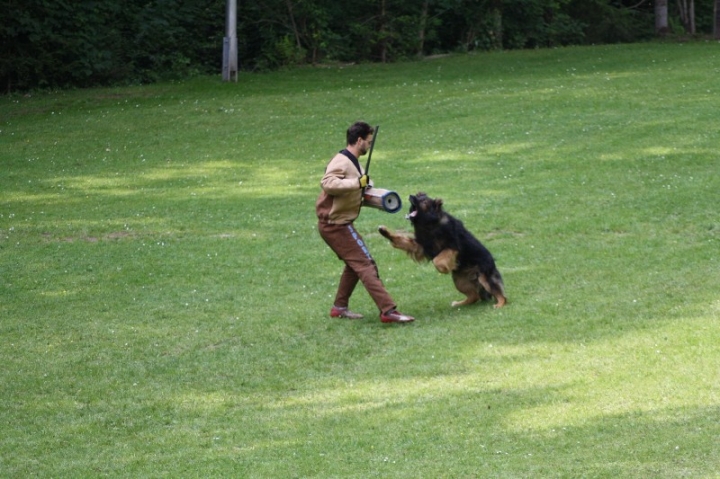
164	294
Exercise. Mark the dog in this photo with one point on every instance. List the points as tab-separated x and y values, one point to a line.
444	240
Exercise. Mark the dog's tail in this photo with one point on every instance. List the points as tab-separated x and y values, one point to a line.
496	278
493	284
498	288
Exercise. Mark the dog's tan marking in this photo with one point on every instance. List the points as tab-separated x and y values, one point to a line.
446	261
468	288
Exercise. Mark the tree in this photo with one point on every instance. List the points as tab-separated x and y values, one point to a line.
687	15
661	18
383	35
422	27
716	20
63	43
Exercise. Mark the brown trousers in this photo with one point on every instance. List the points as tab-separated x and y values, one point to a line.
349	246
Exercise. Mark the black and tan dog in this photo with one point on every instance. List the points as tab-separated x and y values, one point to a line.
444	240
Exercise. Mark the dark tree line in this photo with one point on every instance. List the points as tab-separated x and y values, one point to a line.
77	43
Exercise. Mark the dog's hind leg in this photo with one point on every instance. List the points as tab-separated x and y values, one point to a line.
494	286
466	286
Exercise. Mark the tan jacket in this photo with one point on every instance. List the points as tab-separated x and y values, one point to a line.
341	196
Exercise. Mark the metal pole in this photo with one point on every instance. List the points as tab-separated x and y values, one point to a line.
230	51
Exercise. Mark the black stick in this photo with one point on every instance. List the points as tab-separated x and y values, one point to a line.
372	145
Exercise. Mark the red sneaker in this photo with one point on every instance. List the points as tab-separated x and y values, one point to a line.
394	316
336	312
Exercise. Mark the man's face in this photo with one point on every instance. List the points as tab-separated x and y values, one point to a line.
364	144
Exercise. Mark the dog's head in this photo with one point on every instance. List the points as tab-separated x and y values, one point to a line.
425	210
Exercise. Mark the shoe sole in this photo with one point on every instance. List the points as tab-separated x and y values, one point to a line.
401	321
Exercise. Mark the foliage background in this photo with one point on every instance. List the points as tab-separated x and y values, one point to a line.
62	43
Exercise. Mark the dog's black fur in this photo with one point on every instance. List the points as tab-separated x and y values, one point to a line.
444	240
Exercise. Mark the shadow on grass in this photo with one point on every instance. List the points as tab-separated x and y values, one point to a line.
401	431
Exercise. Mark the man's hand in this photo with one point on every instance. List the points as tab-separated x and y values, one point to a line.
364	180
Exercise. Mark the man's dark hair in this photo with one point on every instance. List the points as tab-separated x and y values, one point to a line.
358	130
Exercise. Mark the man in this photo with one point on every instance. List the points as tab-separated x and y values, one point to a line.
337	207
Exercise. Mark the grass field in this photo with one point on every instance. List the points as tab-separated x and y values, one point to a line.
164	293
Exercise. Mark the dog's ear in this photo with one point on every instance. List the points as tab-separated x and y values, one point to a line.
438	204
